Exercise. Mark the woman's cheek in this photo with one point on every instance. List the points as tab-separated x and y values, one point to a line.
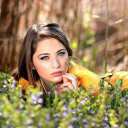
42	67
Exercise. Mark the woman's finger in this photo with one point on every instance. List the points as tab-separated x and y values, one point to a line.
67	85
65	80
72	78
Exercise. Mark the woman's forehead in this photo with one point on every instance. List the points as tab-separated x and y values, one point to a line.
49	45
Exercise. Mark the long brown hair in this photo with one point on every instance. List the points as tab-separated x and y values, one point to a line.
36	33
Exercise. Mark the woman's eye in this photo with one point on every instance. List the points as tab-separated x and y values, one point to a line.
61	53
44	58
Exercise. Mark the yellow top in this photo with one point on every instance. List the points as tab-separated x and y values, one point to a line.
119	75
85	78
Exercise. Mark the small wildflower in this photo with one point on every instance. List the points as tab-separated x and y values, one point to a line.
98	89
116	126
1	89
14	81
119	87
40	100
105	118
126	123
83	102
33	97
124	103
64	114
74	119
29	127
29	121
5	116
20	91
12	85
64	108
113	98
5	81
84	120
47	121
48	92
39	94
105	124
70	126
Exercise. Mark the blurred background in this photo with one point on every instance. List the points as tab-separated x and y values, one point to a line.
96	29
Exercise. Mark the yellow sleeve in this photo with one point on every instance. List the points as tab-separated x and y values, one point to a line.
119	75
85	77
24	83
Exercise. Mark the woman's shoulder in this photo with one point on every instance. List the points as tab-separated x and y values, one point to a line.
81	71
24	83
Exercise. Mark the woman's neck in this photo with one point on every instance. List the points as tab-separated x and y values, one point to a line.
57	88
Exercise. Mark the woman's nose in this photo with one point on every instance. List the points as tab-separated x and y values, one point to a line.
55	63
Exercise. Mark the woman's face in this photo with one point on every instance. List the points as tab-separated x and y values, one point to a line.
50	60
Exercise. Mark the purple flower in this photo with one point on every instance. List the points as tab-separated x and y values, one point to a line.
64	114
126	123
30	121
12	85
1	89
74	119
33	97
39	94
20	91
113	98
84	120
40	100
64	108
83	102
14	81
116	126
98	88
70	126
105	118
49	92
126	96
85	126
124	103
5	116
119	87
5	81
47	121
105	124
29	127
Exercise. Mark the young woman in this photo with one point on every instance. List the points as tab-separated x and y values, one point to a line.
43	59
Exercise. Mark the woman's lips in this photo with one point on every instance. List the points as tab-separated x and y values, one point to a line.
57	73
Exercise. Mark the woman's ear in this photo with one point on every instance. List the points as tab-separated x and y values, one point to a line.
32	66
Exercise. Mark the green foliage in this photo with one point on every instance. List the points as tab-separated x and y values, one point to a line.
74	108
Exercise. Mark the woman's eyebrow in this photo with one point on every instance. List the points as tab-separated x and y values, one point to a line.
43	54
60	50
49	53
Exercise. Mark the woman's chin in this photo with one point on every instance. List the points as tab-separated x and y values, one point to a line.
57	79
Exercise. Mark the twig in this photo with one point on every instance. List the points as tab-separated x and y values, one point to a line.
106	37
106	43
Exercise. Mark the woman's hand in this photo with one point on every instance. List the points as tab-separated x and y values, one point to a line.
69	82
